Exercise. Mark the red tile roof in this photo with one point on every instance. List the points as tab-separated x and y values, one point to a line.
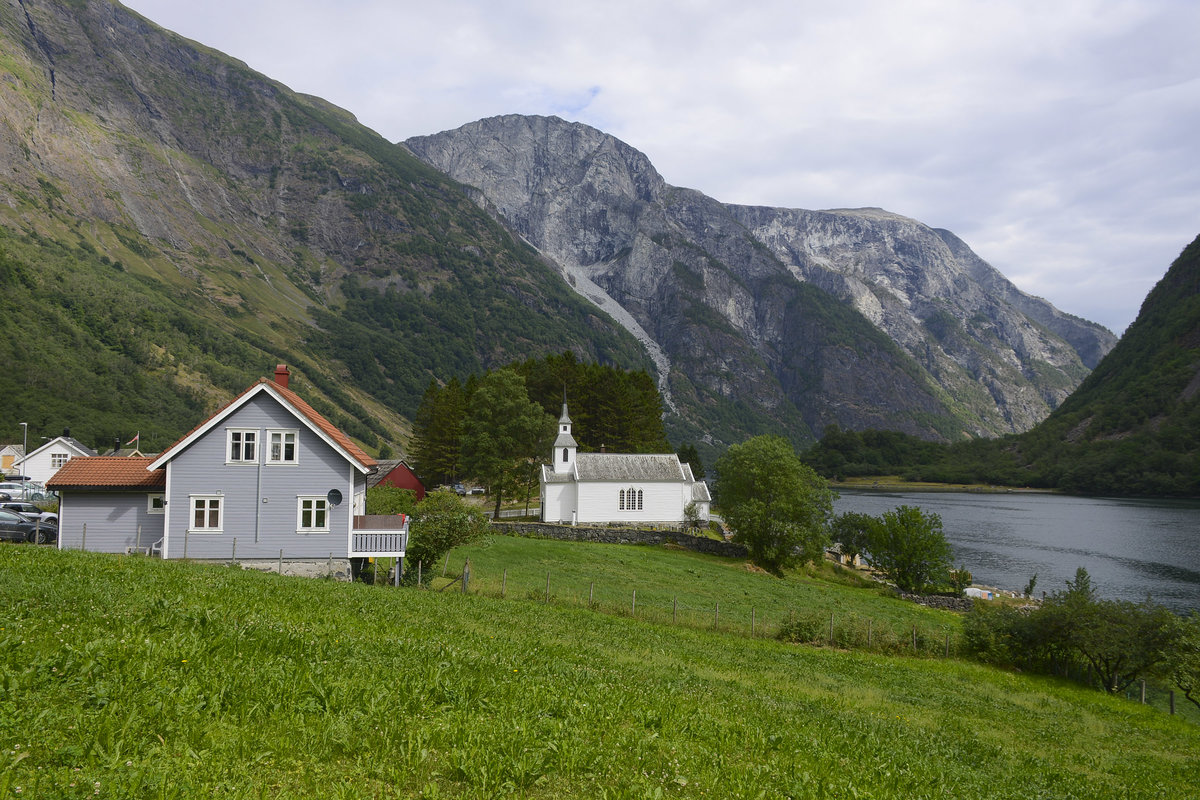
322	423
107	472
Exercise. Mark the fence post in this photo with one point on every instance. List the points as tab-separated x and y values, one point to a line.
591	593
233	556
947	644
83	544
503	583
1143	691
185	544
138	541
914	638
419	565
751	622
280	557
633	608
831	629
466	579
717	615
446	566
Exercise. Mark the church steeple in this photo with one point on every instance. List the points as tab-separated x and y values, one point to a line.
564	446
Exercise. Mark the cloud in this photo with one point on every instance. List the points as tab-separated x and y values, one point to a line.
1057	139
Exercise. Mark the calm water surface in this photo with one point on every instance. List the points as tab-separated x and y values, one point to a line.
1131	548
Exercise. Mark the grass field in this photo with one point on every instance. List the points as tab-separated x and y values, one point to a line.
126	677
681	587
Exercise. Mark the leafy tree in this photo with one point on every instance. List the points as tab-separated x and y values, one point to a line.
1184	659
503	433
960	579
852	530
1118	641
390	500
777	506
440	522
909	548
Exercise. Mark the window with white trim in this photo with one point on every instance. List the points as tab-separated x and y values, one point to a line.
243	446
156	503
206	513
281	447
629	499
313	515
57	460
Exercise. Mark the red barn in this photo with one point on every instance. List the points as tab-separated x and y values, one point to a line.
396	473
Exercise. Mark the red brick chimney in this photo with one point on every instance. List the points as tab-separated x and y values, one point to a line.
281	375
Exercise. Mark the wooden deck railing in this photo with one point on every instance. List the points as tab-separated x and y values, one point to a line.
379	536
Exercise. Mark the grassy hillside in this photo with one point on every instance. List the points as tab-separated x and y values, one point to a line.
131	678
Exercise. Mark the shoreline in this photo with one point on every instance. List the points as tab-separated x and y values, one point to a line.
903	486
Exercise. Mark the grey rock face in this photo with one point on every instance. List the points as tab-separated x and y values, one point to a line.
788	317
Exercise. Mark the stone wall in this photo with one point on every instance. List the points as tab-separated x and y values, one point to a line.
605	535
940	601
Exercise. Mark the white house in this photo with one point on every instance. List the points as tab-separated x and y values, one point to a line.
617	487
48	459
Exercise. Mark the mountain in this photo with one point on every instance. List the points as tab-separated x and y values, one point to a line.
770	318
173	224
1133	426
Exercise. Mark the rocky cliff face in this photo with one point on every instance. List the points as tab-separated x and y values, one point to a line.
860	318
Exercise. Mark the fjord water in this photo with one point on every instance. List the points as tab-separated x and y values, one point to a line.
1131	548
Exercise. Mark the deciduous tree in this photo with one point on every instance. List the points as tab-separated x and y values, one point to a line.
503	430
909	548
777	506
440	522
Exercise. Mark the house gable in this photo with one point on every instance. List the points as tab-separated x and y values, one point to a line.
303	414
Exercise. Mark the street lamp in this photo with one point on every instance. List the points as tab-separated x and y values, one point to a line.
24	448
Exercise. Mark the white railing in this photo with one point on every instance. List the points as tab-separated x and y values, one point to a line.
378	536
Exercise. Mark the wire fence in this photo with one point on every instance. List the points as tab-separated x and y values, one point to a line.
736	617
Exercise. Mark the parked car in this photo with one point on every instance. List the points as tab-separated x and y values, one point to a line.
16	527
31	511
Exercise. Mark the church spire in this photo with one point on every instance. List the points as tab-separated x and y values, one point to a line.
564	446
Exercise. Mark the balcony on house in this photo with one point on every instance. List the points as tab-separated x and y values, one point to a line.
379	536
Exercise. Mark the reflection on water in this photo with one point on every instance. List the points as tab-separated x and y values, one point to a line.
1131	548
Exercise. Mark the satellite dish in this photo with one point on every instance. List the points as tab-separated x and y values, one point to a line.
334	497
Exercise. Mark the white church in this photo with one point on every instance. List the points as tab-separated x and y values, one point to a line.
617	487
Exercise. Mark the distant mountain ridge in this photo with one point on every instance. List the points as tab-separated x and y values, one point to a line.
172	224
962	350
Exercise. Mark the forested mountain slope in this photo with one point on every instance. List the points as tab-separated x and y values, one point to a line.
172	224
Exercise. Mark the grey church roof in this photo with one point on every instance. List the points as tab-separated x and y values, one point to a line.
627	467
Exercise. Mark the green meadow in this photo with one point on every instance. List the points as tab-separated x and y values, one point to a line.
126	677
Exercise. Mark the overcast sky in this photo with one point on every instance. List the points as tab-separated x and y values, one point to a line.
1059	138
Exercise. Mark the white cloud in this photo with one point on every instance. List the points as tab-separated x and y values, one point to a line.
1057	139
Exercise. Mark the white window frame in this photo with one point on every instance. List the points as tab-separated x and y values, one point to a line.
161	508
318	502
208	499
241	433
283	433
59	460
